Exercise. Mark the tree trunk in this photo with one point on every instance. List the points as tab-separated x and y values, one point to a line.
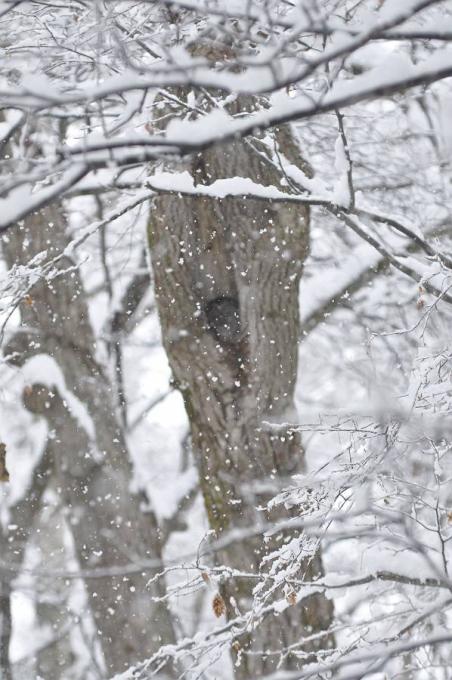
226	280
93	473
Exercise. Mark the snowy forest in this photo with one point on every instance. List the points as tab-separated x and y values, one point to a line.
225	339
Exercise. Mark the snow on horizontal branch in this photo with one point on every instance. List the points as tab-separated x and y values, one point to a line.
183	183
43	369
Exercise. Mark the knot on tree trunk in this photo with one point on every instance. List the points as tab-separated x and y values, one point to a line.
39	399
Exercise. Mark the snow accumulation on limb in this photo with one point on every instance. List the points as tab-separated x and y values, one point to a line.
293	84
43	369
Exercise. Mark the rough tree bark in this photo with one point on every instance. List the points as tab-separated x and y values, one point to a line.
226	280
93	478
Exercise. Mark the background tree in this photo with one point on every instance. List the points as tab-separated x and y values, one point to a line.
86	461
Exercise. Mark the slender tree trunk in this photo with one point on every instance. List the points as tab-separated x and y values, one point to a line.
226	279
93	472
